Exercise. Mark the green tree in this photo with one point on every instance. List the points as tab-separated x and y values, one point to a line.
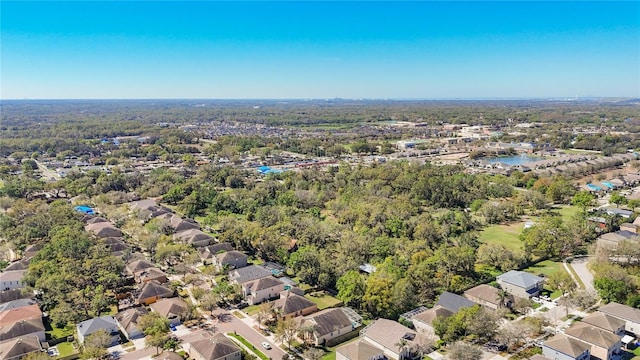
549	238
351	288
617	198
612	290
561	280
463	351
286	330
583	199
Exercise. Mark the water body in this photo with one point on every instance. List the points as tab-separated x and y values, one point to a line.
514	160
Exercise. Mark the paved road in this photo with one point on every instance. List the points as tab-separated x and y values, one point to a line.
580	266
232	323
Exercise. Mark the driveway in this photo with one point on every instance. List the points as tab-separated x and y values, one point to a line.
580	267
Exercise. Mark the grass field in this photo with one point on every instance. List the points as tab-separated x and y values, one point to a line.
546	268
507	235
325	301
59	333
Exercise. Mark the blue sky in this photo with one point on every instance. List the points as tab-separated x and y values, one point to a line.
202	49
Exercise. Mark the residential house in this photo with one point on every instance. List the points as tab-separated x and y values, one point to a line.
561	347
247	273
605	322
231	259
174	309
21	313
489	297
629	315
259	290
91	326
330	323
152	291
137	266
179	224
292	305
15	304
208	252
423	321
611	240
359	350
14	294
103	229
21	264
194	237
10	280
393	338
453	302
95	220
604	345
150	274
127	321
520	283
23	327
31	250
217	347
17	348
168	355
539	357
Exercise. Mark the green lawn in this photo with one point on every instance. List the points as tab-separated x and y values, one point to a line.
325	301
567	211
244	342
252	310
546	267
507	235
59	333
66	349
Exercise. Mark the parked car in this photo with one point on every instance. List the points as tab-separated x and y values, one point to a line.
266	345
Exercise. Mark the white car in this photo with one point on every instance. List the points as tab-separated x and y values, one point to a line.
266	345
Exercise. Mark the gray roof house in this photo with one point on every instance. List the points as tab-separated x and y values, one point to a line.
107	323
248	273
453	302
330	323
520	283
234	259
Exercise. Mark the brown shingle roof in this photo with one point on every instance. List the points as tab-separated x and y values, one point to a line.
16	347
388	333
172	306
604	321
154	289
290	303
128	319
328	321
592	335
138	265
359	350
621	311
21	328
566	345
484	292
215	347
428	316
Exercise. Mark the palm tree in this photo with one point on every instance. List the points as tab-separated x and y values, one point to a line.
502	296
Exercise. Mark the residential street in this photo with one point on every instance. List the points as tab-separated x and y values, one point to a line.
580	266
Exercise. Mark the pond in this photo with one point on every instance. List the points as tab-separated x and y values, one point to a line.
514	160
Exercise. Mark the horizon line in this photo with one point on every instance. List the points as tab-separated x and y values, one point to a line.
566	98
